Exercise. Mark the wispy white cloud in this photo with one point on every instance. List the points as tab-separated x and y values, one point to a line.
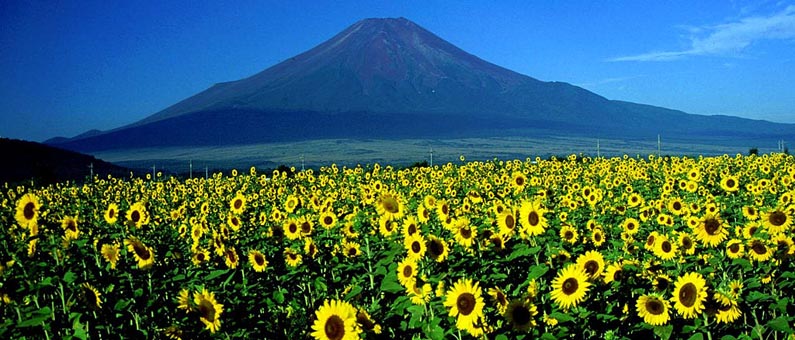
608	81
729	38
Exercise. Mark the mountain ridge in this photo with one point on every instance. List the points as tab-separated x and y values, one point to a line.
381	74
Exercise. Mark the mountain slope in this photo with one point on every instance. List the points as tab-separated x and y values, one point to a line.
390	78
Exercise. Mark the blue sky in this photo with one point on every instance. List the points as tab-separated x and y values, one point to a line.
70	66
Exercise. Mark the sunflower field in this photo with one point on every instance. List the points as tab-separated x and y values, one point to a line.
617	248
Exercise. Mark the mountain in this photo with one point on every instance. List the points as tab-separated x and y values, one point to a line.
390	78
44	164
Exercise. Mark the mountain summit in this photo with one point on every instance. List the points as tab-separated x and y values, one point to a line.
391	78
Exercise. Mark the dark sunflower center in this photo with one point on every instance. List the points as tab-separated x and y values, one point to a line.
29	210
501	299
390	204
751	211
352	251
730	183
777	218
306	228
666	246
711	226
111	213
465	232
509	222
465	303
259	259
334	328
519	181
328	220
293	228
206	310
570	286
724	308
631	226
734	248
568	235
71	226
235	221
654	307
436	248
426	214
661	283
688	294
200	257
445	209
618	275
533	218
687	243
412	229
135	216
597	237
759	247
238	203
677	206
231	255
415	246
141	251
521	315
408	271
650	240
591	267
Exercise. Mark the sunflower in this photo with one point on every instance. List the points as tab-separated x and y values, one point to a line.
518	181
598	236
686	245
661	282
532	218
776	220
336	320
351	249
759	250
407	272
238	204
728	309
292	258
506	220
614	272
310	248
112	213
568	234
69	225
711	231
200	256
257	260
410	226
442	209
415	246
499	298
520	313
305	225
570	286
730	183
183	300
653	309
630	226
592	263
419	295
676	207
734	249
750	213
466	304
209	309
664	248
464	233
366	322
689	294
110	252
91	296
143	254
137	215
437	248
390	205
423	214
27	214
234	222
634	200
328	219
291	203
291	229
735	288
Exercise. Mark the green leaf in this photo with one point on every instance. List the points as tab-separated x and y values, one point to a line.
780	324
728	337
69	277
697	336
561	317
664	332
320	284
278	296
39	317
548	336
757	296
215	273
390	285
537	271
501	337
121	305
435	333
354	291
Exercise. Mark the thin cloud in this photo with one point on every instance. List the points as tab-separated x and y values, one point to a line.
729	38
608	81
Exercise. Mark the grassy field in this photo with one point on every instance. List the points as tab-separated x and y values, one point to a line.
404	152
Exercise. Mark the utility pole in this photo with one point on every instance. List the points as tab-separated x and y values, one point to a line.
91	170
658	145
191	168
206	173
431	157
153	171
302	162
598	154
